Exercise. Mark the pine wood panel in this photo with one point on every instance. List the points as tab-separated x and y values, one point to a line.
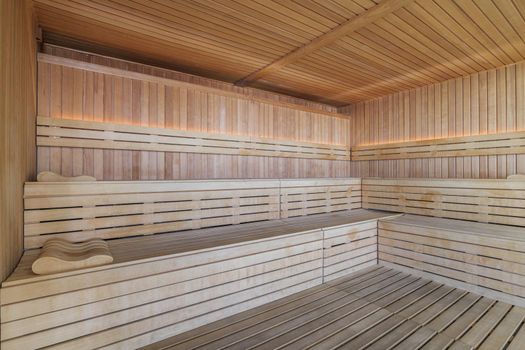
365	18
424	42
486	259
52	132
17	124
494	201
152	70
90	92
490	102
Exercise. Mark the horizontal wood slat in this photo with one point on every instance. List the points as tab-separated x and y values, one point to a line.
304	197
160	297
485	258
375	309
479	145
83	210
490	201
349	248
160	286
489	103
87	134
111	91
80	211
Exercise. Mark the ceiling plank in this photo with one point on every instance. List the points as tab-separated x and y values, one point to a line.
373	14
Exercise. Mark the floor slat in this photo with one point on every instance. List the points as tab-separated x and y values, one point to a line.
377	308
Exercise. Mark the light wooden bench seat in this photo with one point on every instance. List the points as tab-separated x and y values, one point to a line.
161	285
131	250
488	259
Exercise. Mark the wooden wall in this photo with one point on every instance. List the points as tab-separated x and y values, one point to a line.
483	103
17	124
135	66
76	92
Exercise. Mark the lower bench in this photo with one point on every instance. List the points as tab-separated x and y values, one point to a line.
162	285
483	258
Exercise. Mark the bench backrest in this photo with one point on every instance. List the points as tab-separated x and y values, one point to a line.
491	201
79	211
315	196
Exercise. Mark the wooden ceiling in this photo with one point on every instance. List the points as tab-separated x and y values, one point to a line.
332	51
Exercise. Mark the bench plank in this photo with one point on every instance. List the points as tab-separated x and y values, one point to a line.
487	258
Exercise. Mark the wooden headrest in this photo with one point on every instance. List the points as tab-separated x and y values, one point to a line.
58	255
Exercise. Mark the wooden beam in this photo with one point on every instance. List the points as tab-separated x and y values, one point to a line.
353	24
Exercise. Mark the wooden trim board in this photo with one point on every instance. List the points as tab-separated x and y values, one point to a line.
479	145
54	132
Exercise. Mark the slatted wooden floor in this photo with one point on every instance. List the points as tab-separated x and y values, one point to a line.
375	308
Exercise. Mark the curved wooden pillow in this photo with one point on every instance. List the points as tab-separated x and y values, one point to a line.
58	255
49	176
516	177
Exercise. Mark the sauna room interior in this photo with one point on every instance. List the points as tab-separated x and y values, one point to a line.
262	174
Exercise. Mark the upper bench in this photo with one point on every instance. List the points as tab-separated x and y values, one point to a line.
78	211
500	201
483	251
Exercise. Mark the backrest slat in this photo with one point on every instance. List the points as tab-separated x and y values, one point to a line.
79	211
306	197
492	201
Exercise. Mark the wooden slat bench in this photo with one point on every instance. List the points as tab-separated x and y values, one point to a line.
267	245
486	259
165	284
84	210
346	247
468	233
491	201
305	197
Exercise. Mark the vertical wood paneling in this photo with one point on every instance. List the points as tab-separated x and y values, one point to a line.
85	95
17	123
483	103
